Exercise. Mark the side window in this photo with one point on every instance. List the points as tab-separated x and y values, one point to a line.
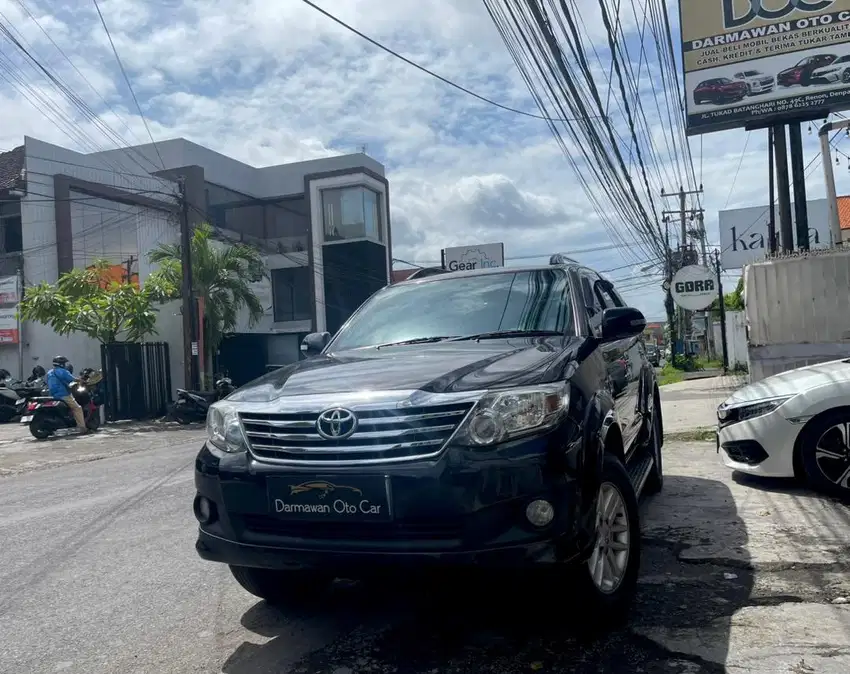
591	300
608	298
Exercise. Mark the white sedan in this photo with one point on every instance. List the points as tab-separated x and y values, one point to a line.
793	424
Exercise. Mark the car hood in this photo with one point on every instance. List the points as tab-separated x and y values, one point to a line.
437	368
793	382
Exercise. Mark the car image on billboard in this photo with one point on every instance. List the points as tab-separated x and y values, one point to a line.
747	65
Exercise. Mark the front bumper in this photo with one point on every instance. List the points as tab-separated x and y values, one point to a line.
459	509
760	446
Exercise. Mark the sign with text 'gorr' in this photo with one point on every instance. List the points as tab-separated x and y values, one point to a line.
743	232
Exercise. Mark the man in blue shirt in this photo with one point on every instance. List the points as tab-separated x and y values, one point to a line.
58	380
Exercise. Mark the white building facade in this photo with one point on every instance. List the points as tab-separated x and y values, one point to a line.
323	226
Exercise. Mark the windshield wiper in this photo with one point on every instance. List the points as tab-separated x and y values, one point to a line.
416	340
499	334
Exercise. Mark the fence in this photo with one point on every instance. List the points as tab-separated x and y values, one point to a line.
137	379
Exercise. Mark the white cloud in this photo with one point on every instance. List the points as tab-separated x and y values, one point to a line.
269	82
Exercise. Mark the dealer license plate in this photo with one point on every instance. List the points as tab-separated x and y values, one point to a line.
330	498
26	420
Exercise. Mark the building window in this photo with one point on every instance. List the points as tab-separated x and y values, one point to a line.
288	225
10	227
352	213
291	294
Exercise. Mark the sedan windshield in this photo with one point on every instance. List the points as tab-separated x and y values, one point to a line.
446	308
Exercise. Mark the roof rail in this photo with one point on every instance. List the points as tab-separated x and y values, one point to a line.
560	258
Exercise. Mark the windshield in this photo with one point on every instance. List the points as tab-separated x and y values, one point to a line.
843	59
462	306
751	73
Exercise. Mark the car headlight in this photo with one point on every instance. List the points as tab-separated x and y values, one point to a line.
506	415
224	430
741	412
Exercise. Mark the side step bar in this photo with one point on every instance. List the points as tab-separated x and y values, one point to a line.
639	469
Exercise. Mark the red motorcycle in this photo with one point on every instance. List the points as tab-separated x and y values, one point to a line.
45	415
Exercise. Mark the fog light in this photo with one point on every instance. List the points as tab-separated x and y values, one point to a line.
540	512
205	511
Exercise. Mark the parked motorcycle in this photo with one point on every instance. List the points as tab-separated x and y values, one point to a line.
193	405
15	394
46	415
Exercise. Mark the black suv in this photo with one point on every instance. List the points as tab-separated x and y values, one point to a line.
502	418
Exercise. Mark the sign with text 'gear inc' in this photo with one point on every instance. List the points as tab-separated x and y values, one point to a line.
478	256
750	61
694	287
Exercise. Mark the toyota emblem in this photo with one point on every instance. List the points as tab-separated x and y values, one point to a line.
337	423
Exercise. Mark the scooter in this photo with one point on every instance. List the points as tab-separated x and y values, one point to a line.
194	405
46	415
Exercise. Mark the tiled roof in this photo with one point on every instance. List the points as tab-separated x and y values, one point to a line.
400	275
844	212
11	163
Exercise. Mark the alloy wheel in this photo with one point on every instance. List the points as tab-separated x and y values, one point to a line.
832	454
610	557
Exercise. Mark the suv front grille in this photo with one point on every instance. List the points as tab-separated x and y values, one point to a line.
382	435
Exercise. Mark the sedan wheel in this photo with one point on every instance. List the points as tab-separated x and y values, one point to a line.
826	452
845	76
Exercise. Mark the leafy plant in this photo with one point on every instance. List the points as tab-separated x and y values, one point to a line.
221	274
91	302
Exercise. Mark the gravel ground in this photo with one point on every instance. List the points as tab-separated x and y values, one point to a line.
98	575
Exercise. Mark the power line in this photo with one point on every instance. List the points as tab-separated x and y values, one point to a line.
442	79
127	80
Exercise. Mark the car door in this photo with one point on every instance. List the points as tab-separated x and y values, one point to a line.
633	356
613	354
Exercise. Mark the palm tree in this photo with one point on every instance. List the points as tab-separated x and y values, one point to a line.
222	275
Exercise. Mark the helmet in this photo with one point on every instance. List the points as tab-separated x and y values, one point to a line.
38	371
60	361
69	367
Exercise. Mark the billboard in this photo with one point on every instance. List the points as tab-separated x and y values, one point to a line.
755	61
479	256
9	326
743	232
9	290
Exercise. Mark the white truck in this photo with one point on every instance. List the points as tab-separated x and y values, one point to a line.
797	311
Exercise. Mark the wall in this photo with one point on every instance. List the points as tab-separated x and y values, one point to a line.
97	225
353	272
736	338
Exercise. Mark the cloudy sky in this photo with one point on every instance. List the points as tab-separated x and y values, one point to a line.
271	82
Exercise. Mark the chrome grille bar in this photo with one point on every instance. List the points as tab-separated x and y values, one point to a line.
386	435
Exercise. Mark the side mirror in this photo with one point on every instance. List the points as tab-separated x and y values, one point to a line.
621	323
314	343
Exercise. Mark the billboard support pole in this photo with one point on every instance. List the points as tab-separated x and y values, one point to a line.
771	221
721	304
798	173
829	176
783	185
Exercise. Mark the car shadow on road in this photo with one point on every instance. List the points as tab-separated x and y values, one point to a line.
695	574
784	485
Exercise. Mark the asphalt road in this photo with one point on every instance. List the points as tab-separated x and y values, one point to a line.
98	575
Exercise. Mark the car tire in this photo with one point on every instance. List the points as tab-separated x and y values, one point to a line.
93	422
805	80
749	90
655	481
607	604
39	430
281	587
826	464
845	76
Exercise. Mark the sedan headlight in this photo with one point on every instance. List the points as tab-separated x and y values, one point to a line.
506	415
742	411
224	430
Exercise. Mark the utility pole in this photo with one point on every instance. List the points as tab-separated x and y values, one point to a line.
20	293
721	301
190	344
129	264
831	198
683	213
